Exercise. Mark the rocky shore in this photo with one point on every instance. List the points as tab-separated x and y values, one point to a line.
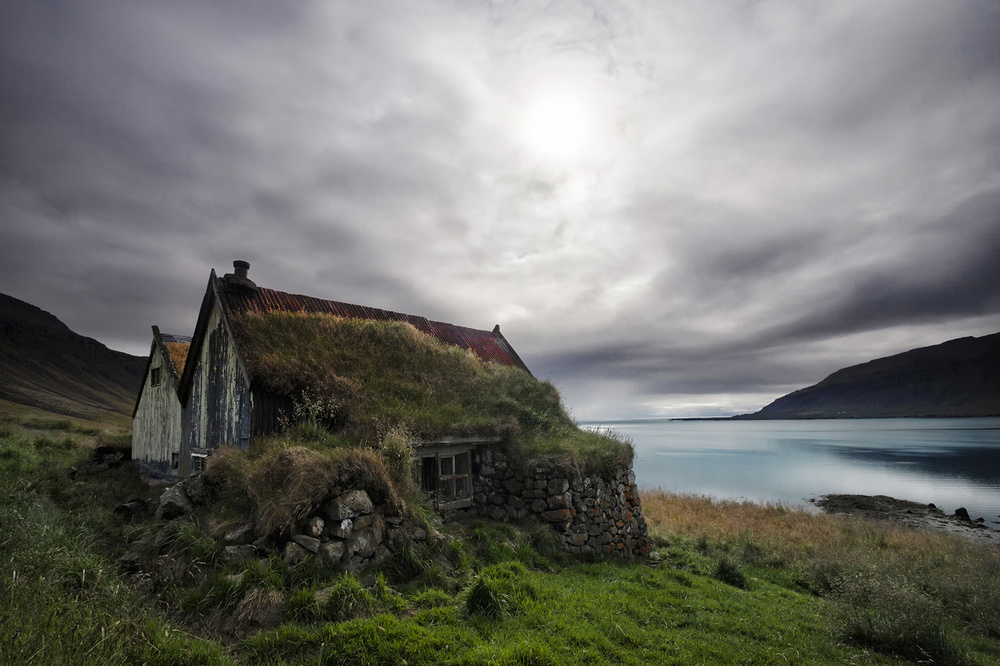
912	514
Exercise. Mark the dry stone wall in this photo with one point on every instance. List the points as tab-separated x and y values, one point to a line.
347	530
590	514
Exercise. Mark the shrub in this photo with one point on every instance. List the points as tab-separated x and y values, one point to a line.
729	573
885	612
500	590
345	599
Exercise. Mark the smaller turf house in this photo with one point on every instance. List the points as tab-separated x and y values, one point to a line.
455	407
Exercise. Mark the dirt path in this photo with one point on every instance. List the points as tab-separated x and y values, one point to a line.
912	514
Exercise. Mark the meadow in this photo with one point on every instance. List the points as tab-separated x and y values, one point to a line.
728	582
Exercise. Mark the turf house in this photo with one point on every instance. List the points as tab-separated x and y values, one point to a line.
455	406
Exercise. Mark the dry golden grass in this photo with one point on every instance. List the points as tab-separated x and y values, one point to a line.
789	529
178	352
285	483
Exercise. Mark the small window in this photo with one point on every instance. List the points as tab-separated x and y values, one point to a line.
454	482
175	461
154	377
447	477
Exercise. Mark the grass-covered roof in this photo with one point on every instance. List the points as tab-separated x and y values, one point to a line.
365	378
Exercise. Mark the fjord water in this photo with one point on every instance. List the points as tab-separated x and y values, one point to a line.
950	462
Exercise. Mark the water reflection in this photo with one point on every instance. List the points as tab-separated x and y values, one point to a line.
951	462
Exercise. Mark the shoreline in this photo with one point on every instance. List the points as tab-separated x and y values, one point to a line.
911	514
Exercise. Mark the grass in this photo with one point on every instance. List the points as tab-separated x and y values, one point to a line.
364	379
730	583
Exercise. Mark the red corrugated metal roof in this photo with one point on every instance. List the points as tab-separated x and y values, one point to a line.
488	345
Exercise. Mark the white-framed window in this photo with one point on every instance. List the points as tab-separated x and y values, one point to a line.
455	476
446	475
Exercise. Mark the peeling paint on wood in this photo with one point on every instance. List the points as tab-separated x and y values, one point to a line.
156	426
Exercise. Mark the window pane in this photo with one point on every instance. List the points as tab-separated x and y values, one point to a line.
448	489
462	486
463	463
447	465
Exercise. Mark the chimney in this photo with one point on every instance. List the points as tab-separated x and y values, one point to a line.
237	282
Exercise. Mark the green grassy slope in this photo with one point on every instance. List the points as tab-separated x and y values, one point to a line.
730	583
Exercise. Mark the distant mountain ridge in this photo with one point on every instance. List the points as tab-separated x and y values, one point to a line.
956	378
46	365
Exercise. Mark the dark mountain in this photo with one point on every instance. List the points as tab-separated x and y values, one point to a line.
956	378
44	364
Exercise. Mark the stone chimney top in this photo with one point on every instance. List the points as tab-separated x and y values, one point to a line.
238	280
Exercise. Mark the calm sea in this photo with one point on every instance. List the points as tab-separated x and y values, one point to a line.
950	462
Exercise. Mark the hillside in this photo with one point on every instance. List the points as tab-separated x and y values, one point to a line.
45	365
955	378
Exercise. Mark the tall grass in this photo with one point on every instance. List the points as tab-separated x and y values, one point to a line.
365	379
64	600
898	590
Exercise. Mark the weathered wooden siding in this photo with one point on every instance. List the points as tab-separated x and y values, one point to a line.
218	409
156	427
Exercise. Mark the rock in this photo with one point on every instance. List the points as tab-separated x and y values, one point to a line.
513	486
309	543
351	504
242	553
174	502
294	553
557	516
332	551
240	534
341	529
133	507
364	543
323	596
71	472
558	486
962	512
362	522
198	491
313	527
96	468
235	579
369	582
130	562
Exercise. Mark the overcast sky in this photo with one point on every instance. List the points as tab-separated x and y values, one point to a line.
671	208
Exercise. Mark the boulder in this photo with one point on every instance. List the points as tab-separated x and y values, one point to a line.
341	529
558	486
351	504
332	551
962	512
309	543
174	502
240	534
365	542
294	553
313	527
134	506
198	491
242	553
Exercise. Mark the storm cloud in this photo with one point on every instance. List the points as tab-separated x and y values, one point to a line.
670	208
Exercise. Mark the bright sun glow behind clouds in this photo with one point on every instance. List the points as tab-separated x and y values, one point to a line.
556	126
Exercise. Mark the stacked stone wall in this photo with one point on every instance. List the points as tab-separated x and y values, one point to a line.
590	514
